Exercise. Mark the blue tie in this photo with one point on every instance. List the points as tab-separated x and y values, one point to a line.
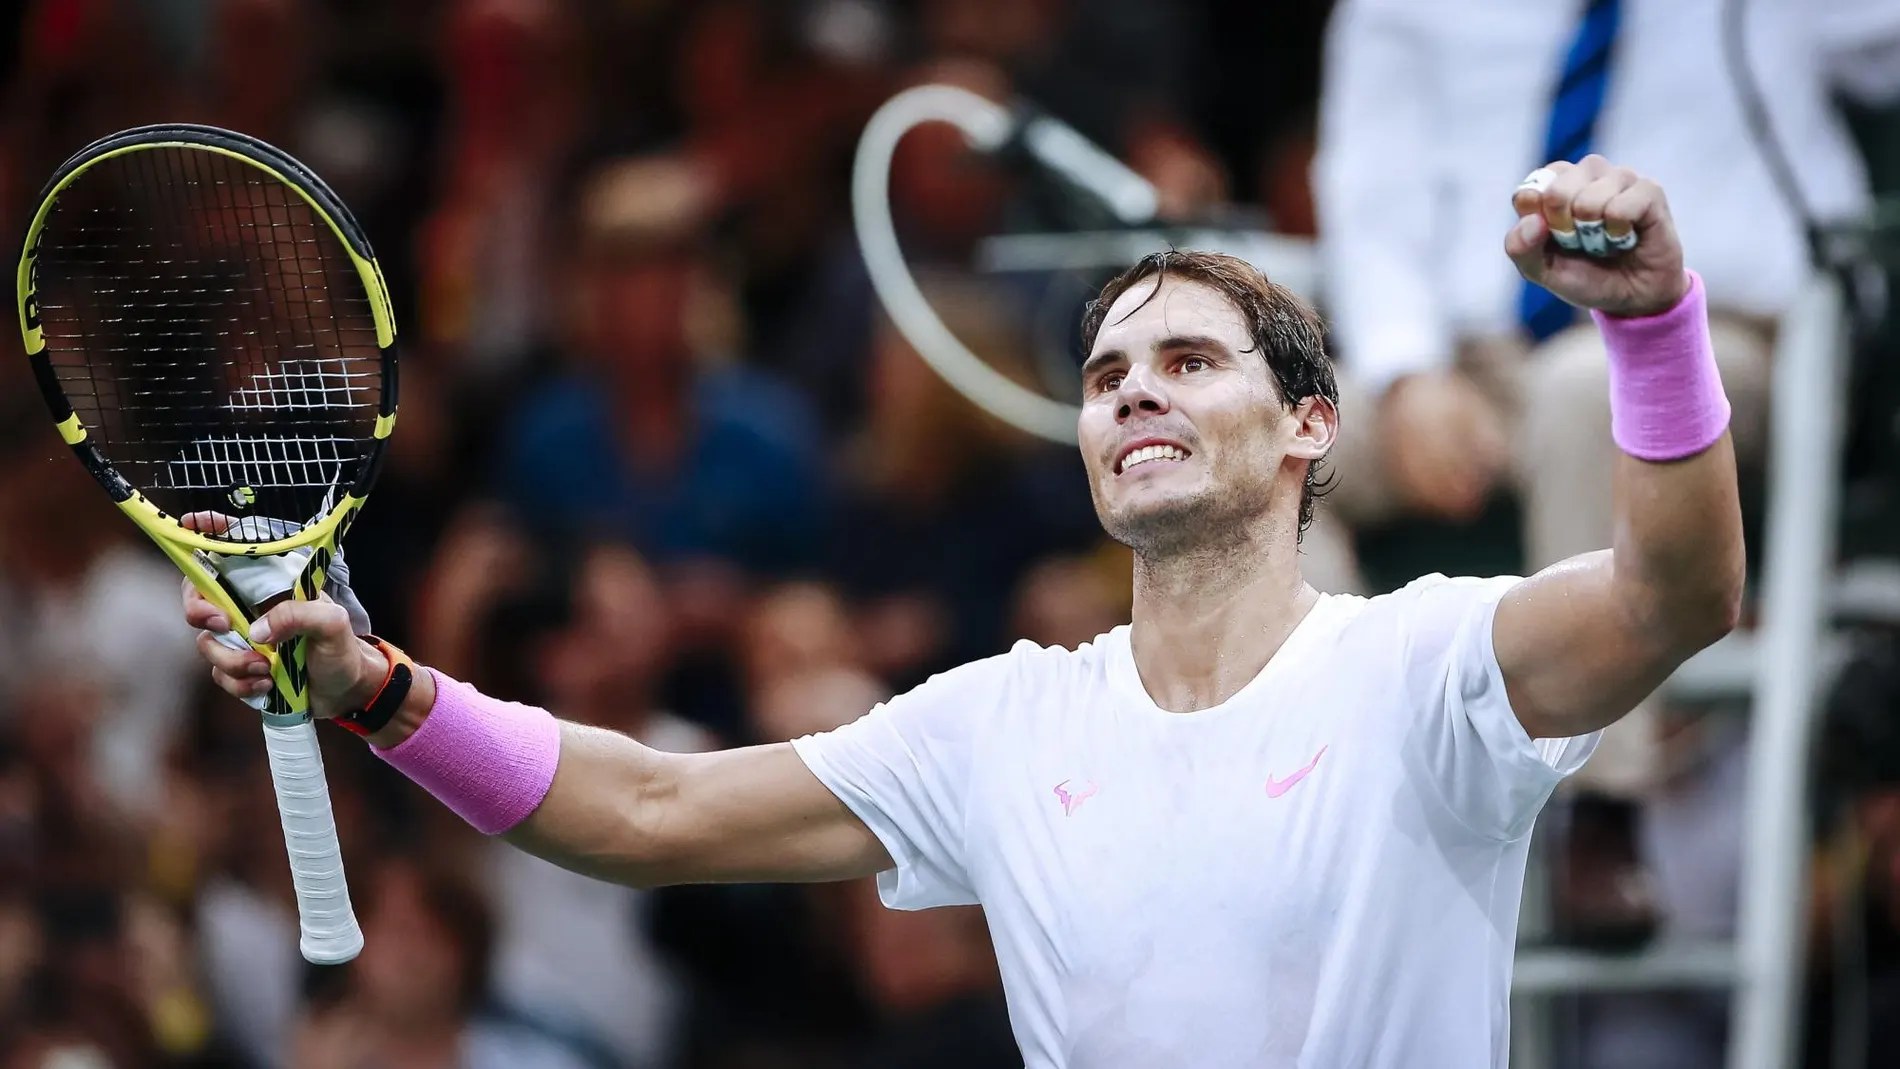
1573	126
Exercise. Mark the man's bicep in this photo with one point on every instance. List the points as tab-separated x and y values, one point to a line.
1574	659
758	814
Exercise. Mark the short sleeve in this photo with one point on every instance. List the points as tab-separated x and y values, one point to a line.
1493	776
904	769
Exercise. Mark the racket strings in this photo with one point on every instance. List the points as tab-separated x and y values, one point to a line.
211	332
215	464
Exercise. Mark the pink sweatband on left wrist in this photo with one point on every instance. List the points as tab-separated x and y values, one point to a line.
1666	399
489	760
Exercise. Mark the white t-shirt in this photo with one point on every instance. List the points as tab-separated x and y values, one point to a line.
1323	871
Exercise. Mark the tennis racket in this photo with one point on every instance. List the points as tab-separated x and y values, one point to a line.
214	338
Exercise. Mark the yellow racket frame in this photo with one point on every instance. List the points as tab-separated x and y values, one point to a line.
188	549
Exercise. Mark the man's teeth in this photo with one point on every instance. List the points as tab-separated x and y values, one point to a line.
1152	452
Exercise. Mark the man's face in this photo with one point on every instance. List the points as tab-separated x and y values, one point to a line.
639	313
1182	429
607	660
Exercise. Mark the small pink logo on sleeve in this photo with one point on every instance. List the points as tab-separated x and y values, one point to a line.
1072	801
1278	787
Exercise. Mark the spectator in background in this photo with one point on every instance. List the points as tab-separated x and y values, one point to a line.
572	954
415	996
932	978
654	432
1066	601
1117	70
82	635
771	964
742	115
490	266
108	983
22	946
794	631
259	68
1472	380
1854	910
942	507
86	69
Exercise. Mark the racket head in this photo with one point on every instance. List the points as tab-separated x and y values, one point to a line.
212	333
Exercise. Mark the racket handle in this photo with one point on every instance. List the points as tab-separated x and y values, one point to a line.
330	935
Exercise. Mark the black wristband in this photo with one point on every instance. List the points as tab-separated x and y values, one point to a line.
375	715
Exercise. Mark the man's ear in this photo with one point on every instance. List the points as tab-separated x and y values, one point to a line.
1316	430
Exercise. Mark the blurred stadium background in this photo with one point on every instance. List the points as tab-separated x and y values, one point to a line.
619	236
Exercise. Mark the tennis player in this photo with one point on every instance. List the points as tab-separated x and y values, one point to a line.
1259	826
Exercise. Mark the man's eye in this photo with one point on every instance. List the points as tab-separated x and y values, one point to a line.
1194	363
1111	381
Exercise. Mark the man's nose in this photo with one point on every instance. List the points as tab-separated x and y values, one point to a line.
1141	391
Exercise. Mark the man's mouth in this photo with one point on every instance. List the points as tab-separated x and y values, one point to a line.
1148	453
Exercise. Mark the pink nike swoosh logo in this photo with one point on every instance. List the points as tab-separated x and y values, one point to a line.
1278	787
1072	802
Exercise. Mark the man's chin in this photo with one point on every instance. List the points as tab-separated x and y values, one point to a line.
1159	525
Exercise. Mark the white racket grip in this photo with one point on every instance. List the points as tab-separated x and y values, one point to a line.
330	935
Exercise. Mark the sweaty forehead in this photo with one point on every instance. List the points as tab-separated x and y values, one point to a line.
1134	323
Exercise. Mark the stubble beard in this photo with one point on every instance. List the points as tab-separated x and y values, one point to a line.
1200	525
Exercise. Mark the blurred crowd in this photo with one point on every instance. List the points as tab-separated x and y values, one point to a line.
662	466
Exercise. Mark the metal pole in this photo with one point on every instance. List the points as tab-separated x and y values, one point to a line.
1804	477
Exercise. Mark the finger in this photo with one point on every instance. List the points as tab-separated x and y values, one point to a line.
240	687
201	613
1587	208
205	522
1632	209
1525	245
1594	166
1556	204
323	621
239	664
1528	197
1588	204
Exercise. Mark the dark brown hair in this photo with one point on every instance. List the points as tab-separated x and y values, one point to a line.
1286	331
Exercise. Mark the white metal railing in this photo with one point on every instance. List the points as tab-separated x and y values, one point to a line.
1806	436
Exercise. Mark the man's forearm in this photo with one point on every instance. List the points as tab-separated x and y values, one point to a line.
603	804
591	820
583	818
1679	557
1582	642
1678	547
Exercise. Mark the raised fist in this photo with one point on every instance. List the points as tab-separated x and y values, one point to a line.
1598	236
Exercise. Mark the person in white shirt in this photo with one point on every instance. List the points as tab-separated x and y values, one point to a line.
1258	825
1464	388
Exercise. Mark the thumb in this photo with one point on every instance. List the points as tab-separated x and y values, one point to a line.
323	622
1525	246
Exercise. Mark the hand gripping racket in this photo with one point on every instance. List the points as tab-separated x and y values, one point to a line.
213	335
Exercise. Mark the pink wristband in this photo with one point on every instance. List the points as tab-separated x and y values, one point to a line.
1666	399
489	760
